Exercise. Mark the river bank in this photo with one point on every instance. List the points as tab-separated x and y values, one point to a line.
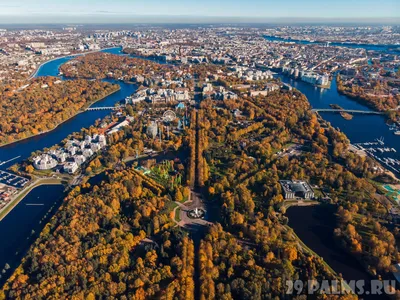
24	192
361	129
314	225
23	225
72	55
373	47
23	148
81	110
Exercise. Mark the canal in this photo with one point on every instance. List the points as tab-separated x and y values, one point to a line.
20	228
25	147
315	225
16	228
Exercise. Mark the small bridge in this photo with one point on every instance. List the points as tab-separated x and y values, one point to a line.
351	111
104	108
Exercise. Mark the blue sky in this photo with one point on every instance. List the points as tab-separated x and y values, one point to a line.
114	9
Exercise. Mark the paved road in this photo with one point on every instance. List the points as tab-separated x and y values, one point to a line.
195	201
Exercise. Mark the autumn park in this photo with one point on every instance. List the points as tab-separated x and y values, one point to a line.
118	233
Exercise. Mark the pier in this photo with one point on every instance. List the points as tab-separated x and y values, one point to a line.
10	160
351	111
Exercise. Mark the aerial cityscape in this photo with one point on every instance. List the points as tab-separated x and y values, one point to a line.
185	150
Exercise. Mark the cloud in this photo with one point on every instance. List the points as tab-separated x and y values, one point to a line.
109	12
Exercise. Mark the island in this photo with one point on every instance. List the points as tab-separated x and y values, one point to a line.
208	176
44	103
241	158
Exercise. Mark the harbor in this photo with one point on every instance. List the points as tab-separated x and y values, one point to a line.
378	151
13	180
363	128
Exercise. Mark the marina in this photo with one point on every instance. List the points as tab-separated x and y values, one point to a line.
12	179
365	131
379	152
364	128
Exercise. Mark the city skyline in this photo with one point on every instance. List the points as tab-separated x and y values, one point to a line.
174	11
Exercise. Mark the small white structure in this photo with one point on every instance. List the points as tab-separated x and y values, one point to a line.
79	159
72	150
95	147
61	157
87	153
44	162
88	139
71	167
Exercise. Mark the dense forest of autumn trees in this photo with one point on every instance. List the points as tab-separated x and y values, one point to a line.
202	144
93	247
245	175
104	65
235	269
38	109
192	149
378	102
117	239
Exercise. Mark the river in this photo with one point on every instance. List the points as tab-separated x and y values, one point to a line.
25	147
361	129
15	228
16	233
20	228
314	225
368	47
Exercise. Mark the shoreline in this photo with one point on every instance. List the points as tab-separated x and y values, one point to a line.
34	74
344	44
359	99
82	110
24	192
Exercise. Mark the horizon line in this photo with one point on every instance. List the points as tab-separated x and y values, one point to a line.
183	19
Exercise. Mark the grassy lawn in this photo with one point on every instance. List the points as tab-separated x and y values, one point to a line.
308	250
169	206
24	192
178	214
364	230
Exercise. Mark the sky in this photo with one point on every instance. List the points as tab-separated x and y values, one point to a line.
141	10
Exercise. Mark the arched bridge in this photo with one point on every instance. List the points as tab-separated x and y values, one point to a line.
351	111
